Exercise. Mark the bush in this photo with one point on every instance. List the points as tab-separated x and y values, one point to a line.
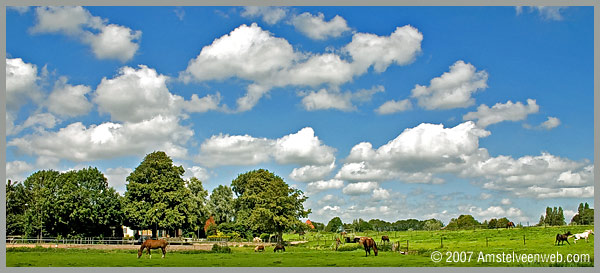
265	237
349	247
220	249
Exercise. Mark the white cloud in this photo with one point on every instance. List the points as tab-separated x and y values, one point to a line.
392	106
117	178
270	15
326	210
505	201
513	214
501	112
40	120
317	28
114	42
312	172
401	47
18	170
253	54
485	196
344	101
453	89
21	83
380	193
136	95
318	186
108	41
68	100
79	143
199	172
301	148
360	188
204	104
550	123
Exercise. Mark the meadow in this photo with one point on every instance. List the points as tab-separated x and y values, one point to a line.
457	248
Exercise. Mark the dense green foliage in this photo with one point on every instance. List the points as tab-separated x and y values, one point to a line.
265	203
584	216
554	217
221	204
70	204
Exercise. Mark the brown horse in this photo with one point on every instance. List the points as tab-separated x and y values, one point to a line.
385	238
259	248
153	244
562	238
510	225
369	243
279	247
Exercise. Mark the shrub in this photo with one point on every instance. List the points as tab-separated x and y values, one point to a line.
265	237
349	247
220	249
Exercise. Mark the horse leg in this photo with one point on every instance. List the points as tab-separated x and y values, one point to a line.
149	253
164	251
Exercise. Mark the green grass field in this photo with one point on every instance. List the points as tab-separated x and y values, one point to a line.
319	252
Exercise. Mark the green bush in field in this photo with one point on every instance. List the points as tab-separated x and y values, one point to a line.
220	249
349	247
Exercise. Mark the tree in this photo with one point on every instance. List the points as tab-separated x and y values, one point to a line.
16	198
361	225
542	221
156	195
584	216
433	224
266	203
560	217
220	204
41	186
503	222
493	223
198	208
335	225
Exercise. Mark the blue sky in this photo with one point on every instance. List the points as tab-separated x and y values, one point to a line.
374	112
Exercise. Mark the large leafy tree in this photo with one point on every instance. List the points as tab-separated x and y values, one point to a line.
335	225
41	187
221	204
266	203
156	196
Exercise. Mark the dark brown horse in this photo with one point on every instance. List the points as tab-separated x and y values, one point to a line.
279	247
510	225
385	238
369	243
153	244
562	238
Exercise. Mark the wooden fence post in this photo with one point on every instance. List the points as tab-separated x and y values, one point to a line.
523	239
486	241
441	241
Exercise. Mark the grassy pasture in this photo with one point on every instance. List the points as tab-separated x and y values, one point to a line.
319	251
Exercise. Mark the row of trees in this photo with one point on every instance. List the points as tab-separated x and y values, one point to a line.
359	225
554	217
81	204
584	216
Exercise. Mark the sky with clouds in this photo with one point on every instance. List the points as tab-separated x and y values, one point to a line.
374	112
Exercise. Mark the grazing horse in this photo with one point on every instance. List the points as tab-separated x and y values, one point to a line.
563	238
510	225
583	235
385	238
153	244
279	247
343	233
338	242
259	248
369	243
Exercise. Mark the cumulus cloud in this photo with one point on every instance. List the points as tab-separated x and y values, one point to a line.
360	188
21	83
300	148
253	54
270	15
317	28
392	106
117	178
401	48
380	193
38	121
68	100
322	185
344	101
453	89
505	201
79	143
18	170
510	111
550	123
108	41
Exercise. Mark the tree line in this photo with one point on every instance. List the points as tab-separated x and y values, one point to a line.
80	203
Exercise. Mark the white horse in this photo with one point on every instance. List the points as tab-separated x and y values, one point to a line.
583	235
257	240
